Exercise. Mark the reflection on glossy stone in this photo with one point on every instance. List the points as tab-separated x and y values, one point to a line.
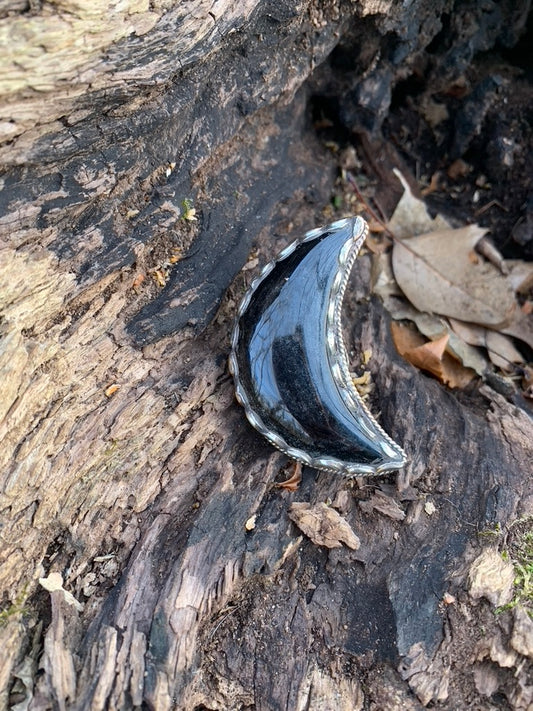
289	360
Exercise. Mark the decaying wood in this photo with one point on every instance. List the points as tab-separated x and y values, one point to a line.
128	470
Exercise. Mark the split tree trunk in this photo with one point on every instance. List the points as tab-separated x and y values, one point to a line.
127	467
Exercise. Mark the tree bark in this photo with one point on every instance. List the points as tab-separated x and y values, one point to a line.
127	467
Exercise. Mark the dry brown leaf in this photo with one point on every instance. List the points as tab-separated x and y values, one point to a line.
441	274
500	348
405	338
521	328
434	327
293	481
436	275
323	525
411	216
502	351
520	275
470	332
382	277
433	184
430	356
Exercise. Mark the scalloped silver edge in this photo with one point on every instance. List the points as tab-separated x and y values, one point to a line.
337	356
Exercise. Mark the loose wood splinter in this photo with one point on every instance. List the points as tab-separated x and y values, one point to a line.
289	361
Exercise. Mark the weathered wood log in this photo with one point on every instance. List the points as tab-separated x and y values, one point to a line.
127	467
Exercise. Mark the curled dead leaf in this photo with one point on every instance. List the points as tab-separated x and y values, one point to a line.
434	327
430	356
520	276
293	481
492	254
521	328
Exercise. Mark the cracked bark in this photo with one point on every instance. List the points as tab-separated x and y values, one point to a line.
126	465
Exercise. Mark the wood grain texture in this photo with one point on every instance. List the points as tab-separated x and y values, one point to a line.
63	50
126	466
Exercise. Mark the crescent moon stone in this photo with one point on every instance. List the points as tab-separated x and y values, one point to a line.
289	361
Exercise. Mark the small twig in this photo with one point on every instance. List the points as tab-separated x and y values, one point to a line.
467	523
403	242
222	619
486	248
361	197
492	203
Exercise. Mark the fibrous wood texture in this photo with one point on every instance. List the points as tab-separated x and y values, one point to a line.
127	468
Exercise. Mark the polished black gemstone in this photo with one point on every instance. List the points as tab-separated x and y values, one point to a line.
289	361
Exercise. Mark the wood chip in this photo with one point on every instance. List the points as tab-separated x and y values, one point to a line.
491	577
111	390
430	508
384	505
53	583
522	637
323	525
250	523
